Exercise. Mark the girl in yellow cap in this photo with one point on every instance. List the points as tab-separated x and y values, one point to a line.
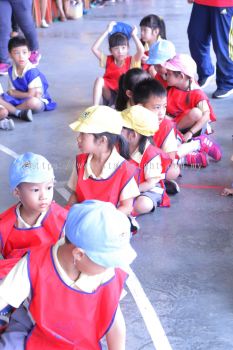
140	125
101	172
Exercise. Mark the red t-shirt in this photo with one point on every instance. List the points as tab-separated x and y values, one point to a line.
215	3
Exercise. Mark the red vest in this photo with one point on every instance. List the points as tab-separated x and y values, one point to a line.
15	242
179	101
165	128
107	190
150	153
66	318
215	3
113	72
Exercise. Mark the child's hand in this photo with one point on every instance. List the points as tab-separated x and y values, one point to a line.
134	31
152	71
227	192
187	136
144	58
110	26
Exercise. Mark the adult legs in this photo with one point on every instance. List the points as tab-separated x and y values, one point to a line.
5	29
222	37
199	34
23	14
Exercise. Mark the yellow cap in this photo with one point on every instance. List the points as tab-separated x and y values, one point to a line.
141	120
98	119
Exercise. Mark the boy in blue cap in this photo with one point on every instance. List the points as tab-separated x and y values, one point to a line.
81	276
35	220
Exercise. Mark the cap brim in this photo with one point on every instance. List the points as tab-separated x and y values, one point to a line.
171	66
120	258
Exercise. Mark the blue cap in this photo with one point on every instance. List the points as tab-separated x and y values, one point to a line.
30	167
102	231
121	27
161	51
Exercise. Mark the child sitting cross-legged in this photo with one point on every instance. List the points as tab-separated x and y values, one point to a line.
28	88
74	286
140	124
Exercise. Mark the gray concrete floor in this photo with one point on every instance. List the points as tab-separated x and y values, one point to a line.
185	252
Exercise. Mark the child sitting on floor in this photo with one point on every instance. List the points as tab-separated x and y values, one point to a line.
101	172
187	105
139	125
81	277
35	220
27	91
117	63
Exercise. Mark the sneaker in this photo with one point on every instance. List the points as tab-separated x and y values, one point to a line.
26	114
220	93
204	82
209	147
35	57
171	187
7	124
4	68
134	226
197	159
44	24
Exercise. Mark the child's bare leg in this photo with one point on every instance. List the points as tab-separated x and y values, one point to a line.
98	91
60	9
11	109
190	119
173	172
33	103
143	205
227	192
3	112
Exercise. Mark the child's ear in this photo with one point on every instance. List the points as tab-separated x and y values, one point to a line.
156	31
16	193
78	253
129	93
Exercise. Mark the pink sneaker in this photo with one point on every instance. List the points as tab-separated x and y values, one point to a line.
209	147
196	159
4	68
35	57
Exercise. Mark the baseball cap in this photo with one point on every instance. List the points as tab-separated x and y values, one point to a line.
121	27
161	51
182	63
98	119
102	231
30	167
141	120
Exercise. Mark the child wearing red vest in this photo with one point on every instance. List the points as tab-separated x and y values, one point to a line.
36	220
187	105
117	63
76	284
140	124
101	172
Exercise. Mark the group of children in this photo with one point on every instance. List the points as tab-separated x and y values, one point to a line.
129	158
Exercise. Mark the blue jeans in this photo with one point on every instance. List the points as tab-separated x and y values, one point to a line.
22	10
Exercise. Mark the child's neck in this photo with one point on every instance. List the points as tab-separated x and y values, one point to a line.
119	63
184	85
98	161
29	217
132	148
19	70
64	257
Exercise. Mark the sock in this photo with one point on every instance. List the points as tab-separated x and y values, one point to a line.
188	147
17	113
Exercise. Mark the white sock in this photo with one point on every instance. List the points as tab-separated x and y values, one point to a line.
17	112
188	147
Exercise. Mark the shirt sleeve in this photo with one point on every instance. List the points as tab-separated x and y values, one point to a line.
15	287
170	143
35	83
103	60
153	169
203	106
131	190
72	182
135	64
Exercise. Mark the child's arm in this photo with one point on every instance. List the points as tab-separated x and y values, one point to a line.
140	49
72	200
153	174
148	184
98	42
227	192
117	334
204	108
126	206
34	92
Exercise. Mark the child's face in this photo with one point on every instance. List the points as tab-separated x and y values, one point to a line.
160	69
157	105
35	197
20	55
149	35
173	79
86	142
119	52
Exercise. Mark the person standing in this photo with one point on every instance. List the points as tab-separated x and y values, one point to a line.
212	20
22	11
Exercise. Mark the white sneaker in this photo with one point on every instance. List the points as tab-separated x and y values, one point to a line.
7	124
44	24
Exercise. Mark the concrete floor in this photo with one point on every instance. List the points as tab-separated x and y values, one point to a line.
184	262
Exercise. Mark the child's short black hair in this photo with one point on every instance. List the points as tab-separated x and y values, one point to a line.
118	39
154	22
147	88
17	41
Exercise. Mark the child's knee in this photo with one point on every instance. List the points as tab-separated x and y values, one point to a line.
35	104
143	205
195	114
173	172
3	112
